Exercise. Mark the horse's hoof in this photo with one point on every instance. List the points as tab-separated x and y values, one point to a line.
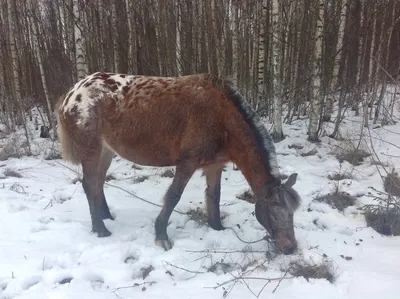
102	233
216	226
166	244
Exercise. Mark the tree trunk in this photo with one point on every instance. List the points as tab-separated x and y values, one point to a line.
15	80
277	133
115	36
80	51
34	23
317	95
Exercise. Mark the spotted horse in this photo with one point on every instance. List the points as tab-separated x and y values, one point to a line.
191	122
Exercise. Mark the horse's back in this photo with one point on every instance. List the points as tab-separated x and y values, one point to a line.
162	119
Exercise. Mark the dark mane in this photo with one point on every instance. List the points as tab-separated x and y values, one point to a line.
263	139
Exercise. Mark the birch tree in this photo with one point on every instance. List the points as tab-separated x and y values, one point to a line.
277	133
316	100
15	76
34	23
80	52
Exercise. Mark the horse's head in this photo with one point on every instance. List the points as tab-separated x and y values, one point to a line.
275	213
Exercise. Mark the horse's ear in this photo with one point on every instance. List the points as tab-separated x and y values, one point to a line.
291	180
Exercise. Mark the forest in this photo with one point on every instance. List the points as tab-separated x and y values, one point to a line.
290	58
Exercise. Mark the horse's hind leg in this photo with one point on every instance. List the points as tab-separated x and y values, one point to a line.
182	176
105	162
93	185
213	194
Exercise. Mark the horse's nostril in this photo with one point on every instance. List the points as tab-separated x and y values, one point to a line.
288	251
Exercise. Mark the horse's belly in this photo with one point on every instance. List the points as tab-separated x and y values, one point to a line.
144	154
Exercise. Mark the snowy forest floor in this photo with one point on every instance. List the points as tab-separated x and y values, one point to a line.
48	251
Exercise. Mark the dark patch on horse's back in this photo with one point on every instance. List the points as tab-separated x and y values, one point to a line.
87	84
68	97
113	87
109	81
74	110
78	98
141	85
163	83
122	75
104	76
125	89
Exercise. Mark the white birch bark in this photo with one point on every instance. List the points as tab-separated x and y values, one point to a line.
277	82
131	36
115	36
15	78
178	38
316	100
235	44
335	77
80	52
261	53
215	35
42	72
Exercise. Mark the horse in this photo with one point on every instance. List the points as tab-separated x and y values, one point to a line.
193	122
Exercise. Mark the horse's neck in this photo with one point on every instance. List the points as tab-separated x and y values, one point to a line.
256	173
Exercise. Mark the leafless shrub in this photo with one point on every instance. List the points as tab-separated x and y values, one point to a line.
18	188
340	174
8	172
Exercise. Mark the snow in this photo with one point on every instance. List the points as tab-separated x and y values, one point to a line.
48	251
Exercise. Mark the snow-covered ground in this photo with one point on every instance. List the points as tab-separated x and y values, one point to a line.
47	250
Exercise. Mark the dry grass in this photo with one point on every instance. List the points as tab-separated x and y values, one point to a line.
312	152
392	184
296	146
348	151
140	179
137	167
321	271
169	173
8	172
110	177
10	150
198	215
248	196
338	176
337	200
384	221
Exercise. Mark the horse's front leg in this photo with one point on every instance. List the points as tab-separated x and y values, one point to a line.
182	176
213	194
